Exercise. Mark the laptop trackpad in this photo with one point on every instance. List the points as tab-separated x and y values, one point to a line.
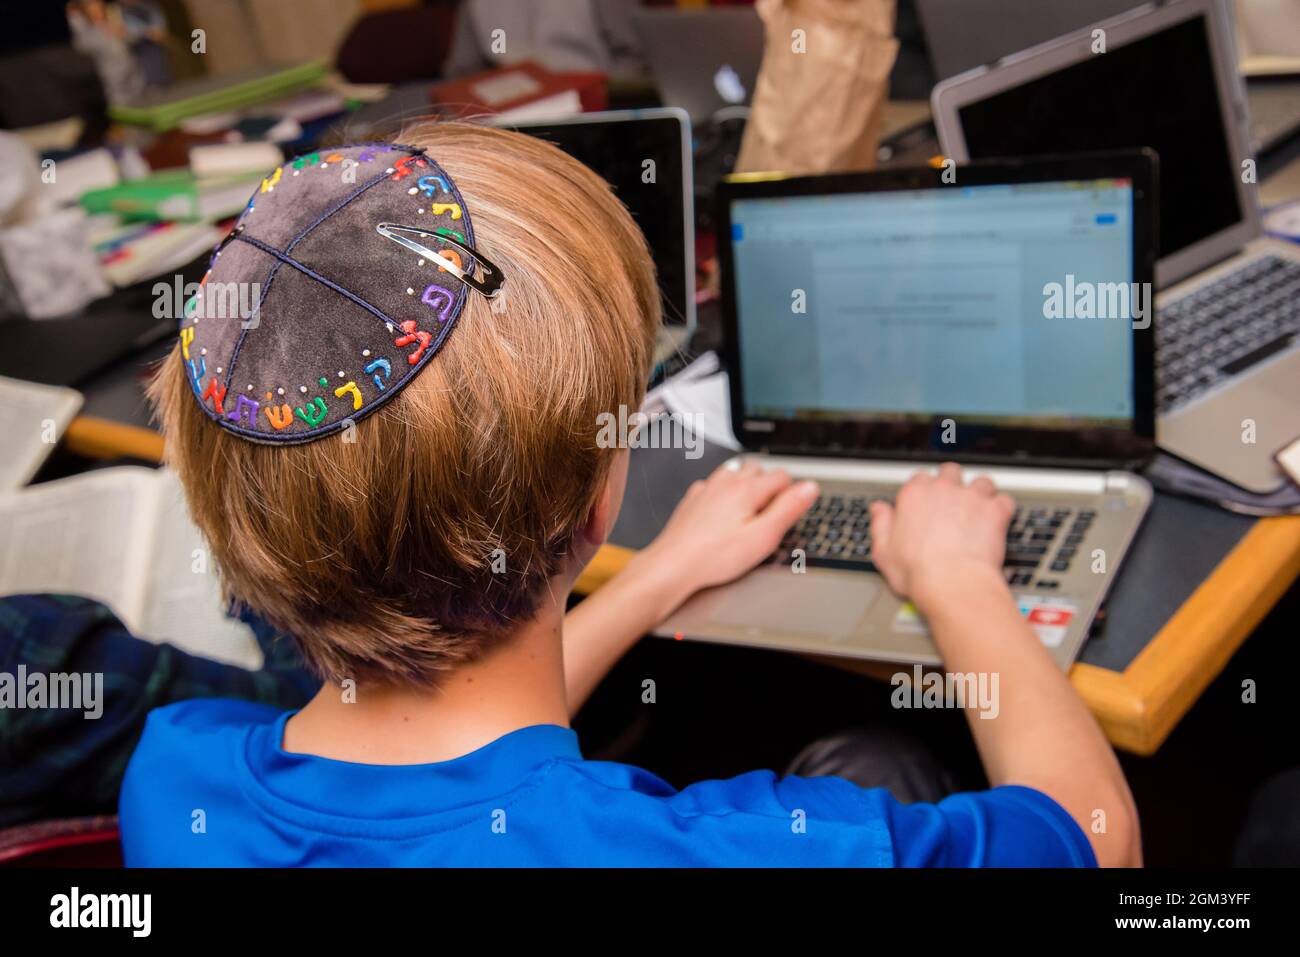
779	600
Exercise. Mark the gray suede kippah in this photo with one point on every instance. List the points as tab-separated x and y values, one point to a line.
340	281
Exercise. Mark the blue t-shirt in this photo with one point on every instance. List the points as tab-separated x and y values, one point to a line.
210	785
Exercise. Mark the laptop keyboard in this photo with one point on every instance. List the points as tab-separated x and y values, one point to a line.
1042	543
1224	328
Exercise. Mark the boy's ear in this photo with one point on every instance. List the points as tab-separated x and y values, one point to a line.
596	528
604	511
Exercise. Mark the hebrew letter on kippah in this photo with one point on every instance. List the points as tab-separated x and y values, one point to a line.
343	390
244	406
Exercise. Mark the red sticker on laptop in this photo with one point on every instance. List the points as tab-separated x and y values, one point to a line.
1049	617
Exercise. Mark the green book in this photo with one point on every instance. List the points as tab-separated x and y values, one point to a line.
174	194
164	109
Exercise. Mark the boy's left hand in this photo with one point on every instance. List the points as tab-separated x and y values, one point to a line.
724	526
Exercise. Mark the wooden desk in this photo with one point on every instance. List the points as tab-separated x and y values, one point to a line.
97	438
1137	705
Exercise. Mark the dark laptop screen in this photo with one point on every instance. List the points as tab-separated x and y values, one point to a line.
913	305
641	157
1157	92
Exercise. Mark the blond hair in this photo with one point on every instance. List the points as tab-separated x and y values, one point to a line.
384	556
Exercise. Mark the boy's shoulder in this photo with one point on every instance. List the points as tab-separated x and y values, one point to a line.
757	794
175	733
211	714
763	818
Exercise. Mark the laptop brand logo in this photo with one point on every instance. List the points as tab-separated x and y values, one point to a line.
728	84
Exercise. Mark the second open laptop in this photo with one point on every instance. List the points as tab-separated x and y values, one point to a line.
880	323
1165	77
658	190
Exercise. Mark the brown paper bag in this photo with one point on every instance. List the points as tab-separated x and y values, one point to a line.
822	88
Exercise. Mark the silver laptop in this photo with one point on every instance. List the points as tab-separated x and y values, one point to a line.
1228	360
703	60
963	34
879	323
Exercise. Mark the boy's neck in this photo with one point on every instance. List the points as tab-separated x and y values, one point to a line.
519	683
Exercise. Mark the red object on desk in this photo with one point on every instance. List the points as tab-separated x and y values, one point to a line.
509	87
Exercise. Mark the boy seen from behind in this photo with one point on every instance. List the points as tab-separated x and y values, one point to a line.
395	461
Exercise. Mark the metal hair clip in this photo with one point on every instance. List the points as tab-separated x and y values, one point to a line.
492	281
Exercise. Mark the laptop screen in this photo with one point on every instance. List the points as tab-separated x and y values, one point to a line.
919	304
1158	91
656	188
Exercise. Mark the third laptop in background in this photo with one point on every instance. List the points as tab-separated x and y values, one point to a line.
1165	77
703	59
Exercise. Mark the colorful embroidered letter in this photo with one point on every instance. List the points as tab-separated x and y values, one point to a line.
314	414
197	372
268	183
450	232
425	183
245	406
373	368
452	257
187	336
311	159
439	298
343	390
413	335
215	390
439	208
402	168
280	417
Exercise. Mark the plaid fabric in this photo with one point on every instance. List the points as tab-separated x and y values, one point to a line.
55	762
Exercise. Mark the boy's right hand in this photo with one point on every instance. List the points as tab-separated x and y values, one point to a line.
942	545
940	534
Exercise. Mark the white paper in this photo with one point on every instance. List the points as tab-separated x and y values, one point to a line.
708	404
557	106
123	537
504	87
703	366
87	535
701	391
183	604
32	420
226	159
